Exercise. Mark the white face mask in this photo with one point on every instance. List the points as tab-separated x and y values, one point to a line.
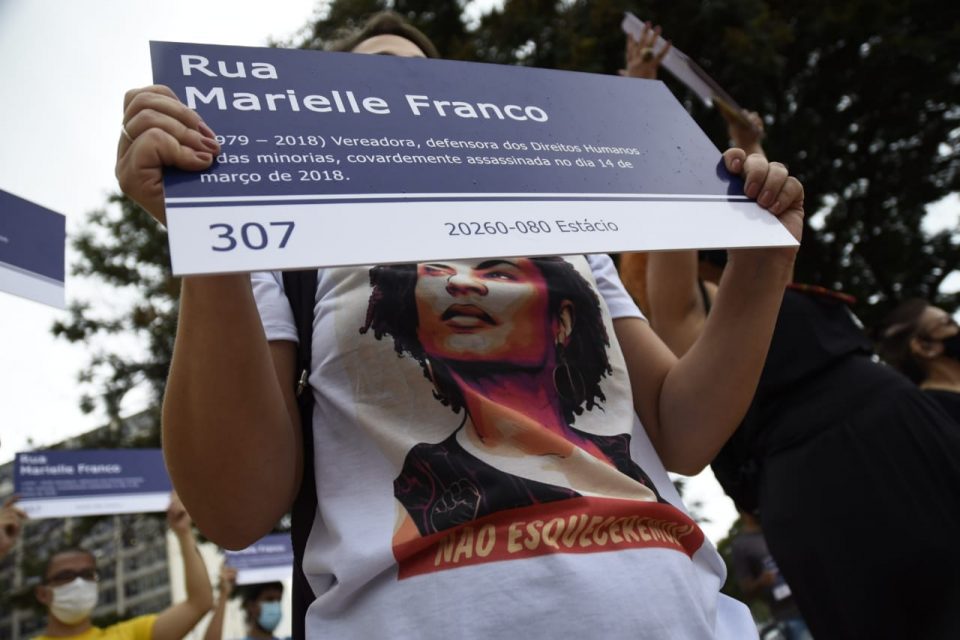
74	601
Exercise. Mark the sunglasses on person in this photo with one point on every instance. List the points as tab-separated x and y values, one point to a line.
69	575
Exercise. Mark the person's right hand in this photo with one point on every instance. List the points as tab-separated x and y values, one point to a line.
158	130
11	524
178	519
228	580
641	58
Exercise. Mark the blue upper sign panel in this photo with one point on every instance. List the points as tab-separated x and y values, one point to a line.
510	128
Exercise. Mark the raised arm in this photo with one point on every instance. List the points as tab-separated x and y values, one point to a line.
677	301
228	576
643	57
230	422
677	308
690	406
177	620
11	524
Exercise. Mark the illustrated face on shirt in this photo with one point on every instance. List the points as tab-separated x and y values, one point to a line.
486	311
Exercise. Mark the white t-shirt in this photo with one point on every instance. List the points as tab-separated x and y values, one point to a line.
480	470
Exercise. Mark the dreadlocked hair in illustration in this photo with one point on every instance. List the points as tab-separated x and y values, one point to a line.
392	310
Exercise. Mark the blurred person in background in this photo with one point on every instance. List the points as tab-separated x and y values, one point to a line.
759	577
69	591
923	342
855	474
261	604
263	609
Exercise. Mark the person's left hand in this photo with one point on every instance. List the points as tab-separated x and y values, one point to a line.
228	580
642	60
178	519
11	524
774	189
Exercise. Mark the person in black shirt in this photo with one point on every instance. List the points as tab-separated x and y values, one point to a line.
855	472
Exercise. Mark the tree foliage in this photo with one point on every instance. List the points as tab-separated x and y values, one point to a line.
862	101
125	252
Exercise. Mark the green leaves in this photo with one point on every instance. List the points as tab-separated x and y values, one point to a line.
125	253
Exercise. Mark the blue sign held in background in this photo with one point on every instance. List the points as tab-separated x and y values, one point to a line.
32	240
57	484
269	559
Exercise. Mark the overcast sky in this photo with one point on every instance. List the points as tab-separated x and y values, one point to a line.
65	66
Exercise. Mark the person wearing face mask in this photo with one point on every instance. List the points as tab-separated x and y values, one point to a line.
923	342
262	605
69	591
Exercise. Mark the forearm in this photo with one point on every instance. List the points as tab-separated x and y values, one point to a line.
199	591
215	628
707	393
174	622
227	431
677	312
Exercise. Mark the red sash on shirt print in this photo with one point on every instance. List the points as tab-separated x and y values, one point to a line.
577	525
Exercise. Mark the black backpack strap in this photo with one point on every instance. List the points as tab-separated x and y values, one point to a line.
301	290
704	295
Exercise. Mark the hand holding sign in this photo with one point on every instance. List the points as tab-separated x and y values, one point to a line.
644	54
646	50
686	70
157	131
11	524
228	580
776	191
178	519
